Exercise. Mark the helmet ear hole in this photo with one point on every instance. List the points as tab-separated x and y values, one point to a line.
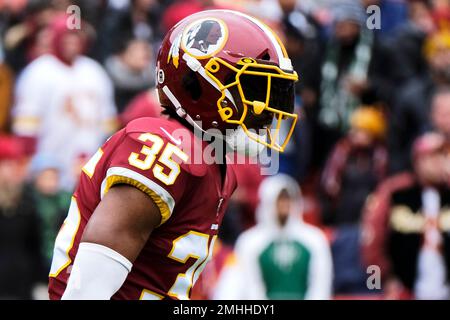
191	84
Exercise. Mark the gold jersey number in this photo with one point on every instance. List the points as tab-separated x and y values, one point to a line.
145	159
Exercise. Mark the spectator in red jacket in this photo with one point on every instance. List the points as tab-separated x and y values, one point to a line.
356	165
20	239
406	229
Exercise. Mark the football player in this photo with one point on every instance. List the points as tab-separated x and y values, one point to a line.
145	215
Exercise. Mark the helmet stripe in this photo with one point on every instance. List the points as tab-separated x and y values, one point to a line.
278	45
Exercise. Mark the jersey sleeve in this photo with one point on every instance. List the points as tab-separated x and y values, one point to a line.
152	164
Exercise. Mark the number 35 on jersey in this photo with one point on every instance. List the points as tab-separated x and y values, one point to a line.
147	157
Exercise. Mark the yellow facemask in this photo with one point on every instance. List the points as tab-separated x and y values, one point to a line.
258	107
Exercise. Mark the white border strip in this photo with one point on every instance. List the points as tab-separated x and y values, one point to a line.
127	173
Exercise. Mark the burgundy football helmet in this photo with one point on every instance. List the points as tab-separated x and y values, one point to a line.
225	70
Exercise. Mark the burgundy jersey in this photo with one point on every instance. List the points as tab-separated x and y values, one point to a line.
191	197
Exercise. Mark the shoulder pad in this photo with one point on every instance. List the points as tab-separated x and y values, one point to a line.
175	133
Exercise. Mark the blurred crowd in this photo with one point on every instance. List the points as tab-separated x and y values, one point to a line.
361	207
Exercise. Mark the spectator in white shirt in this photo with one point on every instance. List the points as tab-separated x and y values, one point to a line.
65	100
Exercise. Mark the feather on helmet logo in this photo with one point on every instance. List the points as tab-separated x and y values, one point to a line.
204	38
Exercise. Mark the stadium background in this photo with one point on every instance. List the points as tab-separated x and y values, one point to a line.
364	96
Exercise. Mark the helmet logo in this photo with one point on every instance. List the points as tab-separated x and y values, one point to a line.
204	38
174	52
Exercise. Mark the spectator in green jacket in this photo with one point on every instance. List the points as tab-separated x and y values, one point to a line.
51	202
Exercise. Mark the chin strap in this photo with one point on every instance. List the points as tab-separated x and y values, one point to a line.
179	109
181	112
